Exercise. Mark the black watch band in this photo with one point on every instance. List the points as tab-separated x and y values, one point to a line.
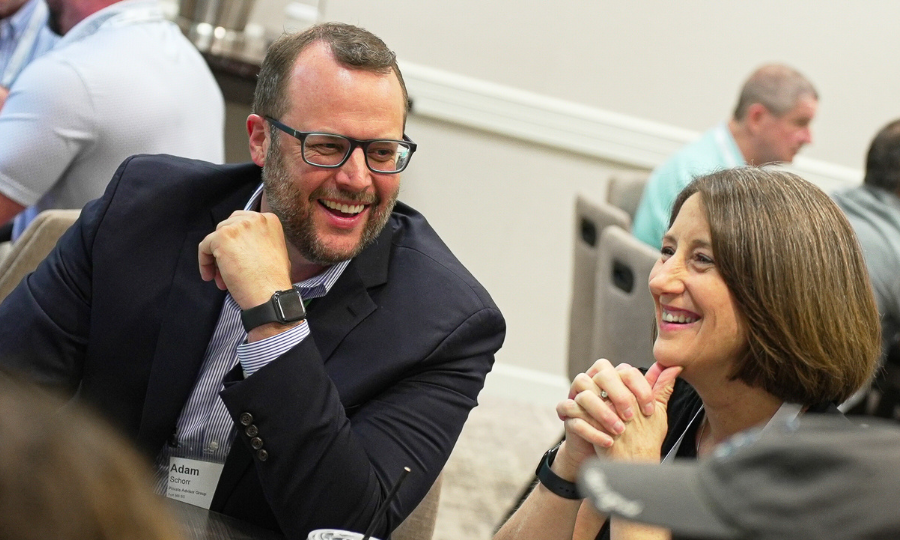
284	307
551	481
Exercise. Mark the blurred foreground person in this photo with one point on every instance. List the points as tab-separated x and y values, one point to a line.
745	320
65	475
818	478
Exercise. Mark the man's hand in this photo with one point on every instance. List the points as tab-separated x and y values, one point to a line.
247	256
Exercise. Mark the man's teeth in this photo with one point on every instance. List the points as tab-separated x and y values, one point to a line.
344	208
680	318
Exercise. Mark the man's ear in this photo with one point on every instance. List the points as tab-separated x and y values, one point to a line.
756	115
257	129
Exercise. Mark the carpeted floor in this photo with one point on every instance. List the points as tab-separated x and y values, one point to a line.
493	460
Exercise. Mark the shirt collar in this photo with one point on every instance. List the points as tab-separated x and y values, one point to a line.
18	21
124	12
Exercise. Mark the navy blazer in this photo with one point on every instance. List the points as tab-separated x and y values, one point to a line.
399	348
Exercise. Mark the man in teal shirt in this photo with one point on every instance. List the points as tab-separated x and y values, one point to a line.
770	125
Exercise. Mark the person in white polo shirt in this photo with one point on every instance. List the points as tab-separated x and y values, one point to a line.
123	80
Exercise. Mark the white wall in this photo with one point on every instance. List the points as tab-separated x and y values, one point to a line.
505	206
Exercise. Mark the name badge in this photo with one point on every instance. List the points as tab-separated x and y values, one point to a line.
193	481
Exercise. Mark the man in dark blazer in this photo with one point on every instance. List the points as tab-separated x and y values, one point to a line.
313	410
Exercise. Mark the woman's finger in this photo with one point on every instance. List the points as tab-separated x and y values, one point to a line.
583	429
637	384
601	411
608	380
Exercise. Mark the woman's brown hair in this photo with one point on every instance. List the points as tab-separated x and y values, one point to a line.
796	271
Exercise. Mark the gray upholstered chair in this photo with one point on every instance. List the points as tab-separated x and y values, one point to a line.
591	219
419	525
624	309
625	189
33	246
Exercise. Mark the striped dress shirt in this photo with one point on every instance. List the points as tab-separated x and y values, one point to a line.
205	430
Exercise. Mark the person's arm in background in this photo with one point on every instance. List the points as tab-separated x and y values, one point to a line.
8	208
3	93
43	128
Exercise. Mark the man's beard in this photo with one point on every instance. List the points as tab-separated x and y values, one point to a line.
295	214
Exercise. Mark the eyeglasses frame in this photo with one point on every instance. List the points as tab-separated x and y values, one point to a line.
354	143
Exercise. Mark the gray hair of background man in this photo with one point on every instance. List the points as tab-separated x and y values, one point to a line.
776	87
353	47
883	159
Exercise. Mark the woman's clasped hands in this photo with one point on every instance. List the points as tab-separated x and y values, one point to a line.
617	412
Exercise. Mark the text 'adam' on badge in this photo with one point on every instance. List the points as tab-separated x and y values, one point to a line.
193	481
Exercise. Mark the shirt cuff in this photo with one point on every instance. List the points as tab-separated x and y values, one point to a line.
253	356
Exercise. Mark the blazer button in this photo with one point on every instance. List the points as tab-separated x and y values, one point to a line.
256	443
251	431
246	419
262	455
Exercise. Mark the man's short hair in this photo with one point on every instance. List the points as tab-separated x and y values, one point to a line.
776	87
352	47
883	159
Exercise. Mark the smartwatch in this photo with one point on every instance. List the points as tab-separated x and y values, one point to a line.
552	481
284	307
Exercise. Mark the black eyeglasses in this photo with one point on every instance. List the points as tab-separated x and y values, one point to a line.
383	156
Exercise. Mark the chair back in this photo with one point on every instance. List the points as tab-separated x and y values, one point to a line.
33	246
625	189
419	525
591	219
624	309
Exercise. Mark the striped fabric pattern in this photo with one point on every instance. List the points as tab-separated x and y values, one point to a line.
205	431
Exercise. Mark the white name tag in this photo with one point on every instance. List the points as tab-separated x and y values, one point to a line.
193	481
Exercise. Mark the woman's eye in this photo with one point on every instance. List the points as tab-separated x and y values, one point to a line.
666	252
704	259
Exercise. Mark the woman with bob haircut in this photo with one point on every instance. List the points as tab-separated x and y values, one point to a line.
763	310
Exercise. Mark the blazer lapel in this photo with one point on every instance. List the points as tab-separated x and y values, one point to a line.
348	302
330	320
193	308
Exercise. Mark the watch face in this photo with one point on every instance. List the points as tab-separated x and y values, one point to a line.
289	306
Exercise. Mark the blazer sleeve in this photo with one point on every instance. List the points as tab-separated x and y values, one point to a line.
325	467
45	321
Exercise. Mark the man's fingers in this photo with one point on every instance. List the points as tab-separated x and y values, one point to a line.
206	259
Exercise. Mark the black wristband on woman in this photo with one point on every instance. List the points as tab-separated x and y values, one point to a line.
551	481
